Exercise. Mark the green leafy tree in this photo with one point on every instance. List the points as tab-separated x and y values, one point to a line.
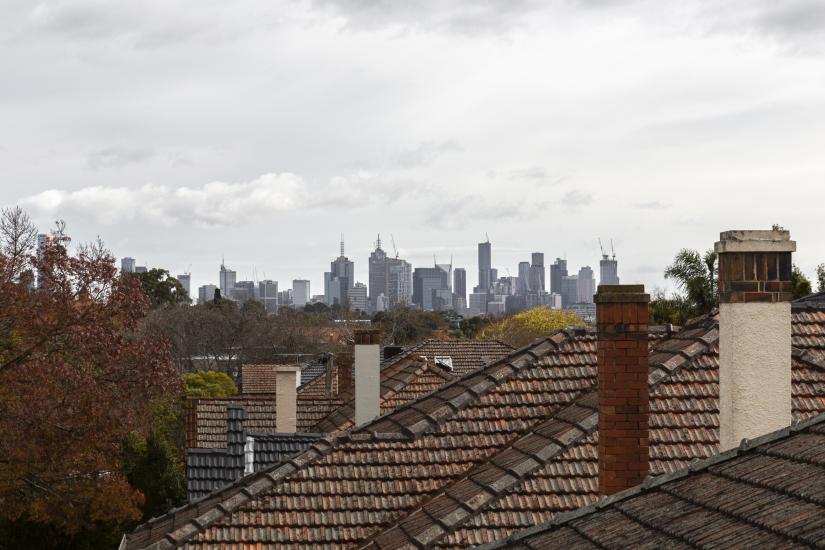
152	466
695	274
161	288
820	278
208	383
521	329
801	285
675	309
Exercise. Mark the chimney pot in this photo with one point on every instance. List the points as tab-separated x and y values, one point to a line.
622	350
754	333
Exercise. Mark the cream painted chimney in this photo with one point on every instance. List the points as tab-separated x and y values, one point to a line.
286	406
754	333
367	375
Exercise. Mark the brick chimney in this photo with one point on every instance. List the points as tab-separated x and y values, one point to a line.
286	405
343	363
367	375
754	333
621	318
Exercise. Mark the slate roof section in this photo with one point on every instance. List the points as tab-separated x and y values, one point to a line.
506	446
467	355
768	493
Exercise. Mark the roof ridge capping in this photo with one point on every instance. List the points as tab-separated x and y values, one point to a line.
651	483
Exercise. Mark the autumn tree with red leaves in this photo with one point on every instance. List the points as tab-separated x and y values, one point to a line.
77	376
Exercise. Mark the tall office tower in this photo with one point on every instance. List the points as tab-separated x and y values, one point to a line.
586	286
268	295
378	273
226	280
523	278
427	284
242	291
358	297
127	265
460	283
300	292
341	276
569	290
185	280
537	272
484	266
206	293
390	277
448	269
557	272
608	270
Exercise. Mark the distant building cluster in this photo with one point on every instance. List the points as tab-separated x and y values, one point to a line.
393	282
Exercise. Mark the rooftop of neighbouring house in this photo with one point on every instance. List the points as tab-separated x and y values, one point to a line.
503	447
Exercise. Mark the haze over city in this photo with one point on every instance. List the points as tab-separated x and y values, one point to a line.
259	131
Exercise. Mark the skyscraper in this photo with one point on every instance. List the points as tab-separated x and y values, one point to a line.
206	293
569	290
460	283
537	272
427	284
185	281
523	278
557	272
300	292
586	285
268	295
340	279
608	270
390	277
484	266
127	265
358	297
226	280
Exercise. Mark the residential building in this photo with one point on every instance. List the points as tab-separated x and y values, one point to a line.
300	292
226	278
460	284
206	293
558	270
586	285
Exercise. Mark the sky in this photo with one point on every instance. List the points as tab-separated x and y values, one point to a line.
260	131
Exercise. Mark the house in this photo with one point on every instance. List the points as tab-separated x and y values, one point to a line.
514	443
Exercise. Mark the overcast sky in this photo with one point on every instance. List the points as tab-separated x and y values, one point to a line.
181	132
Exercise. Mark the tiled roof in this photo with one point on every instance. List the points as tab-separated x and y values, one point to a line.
466	355
768	493
503	447
258	379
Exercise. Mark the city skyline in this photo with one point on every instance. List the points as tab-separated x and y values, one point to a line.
435	122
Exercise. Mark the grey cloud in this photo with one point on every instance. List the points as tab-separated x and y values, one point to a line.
117	157
576	198
455	212
652	205
425	153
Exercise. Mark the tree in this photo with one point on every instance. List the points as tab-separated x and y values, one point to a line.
405	325
152	466
76	377
695	275
820	278
161	288
800	284
208	384
674	310
521	329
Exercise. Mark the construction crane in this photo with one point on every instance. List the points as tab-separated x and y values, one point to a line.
604	256
392	238
612	250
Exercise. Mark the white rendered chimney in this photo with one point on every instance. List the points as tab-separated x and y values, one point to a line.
367	375
286	406
754	333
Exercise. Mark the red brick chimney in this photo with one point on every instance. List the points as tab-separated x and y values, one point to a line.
621	318
343	363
